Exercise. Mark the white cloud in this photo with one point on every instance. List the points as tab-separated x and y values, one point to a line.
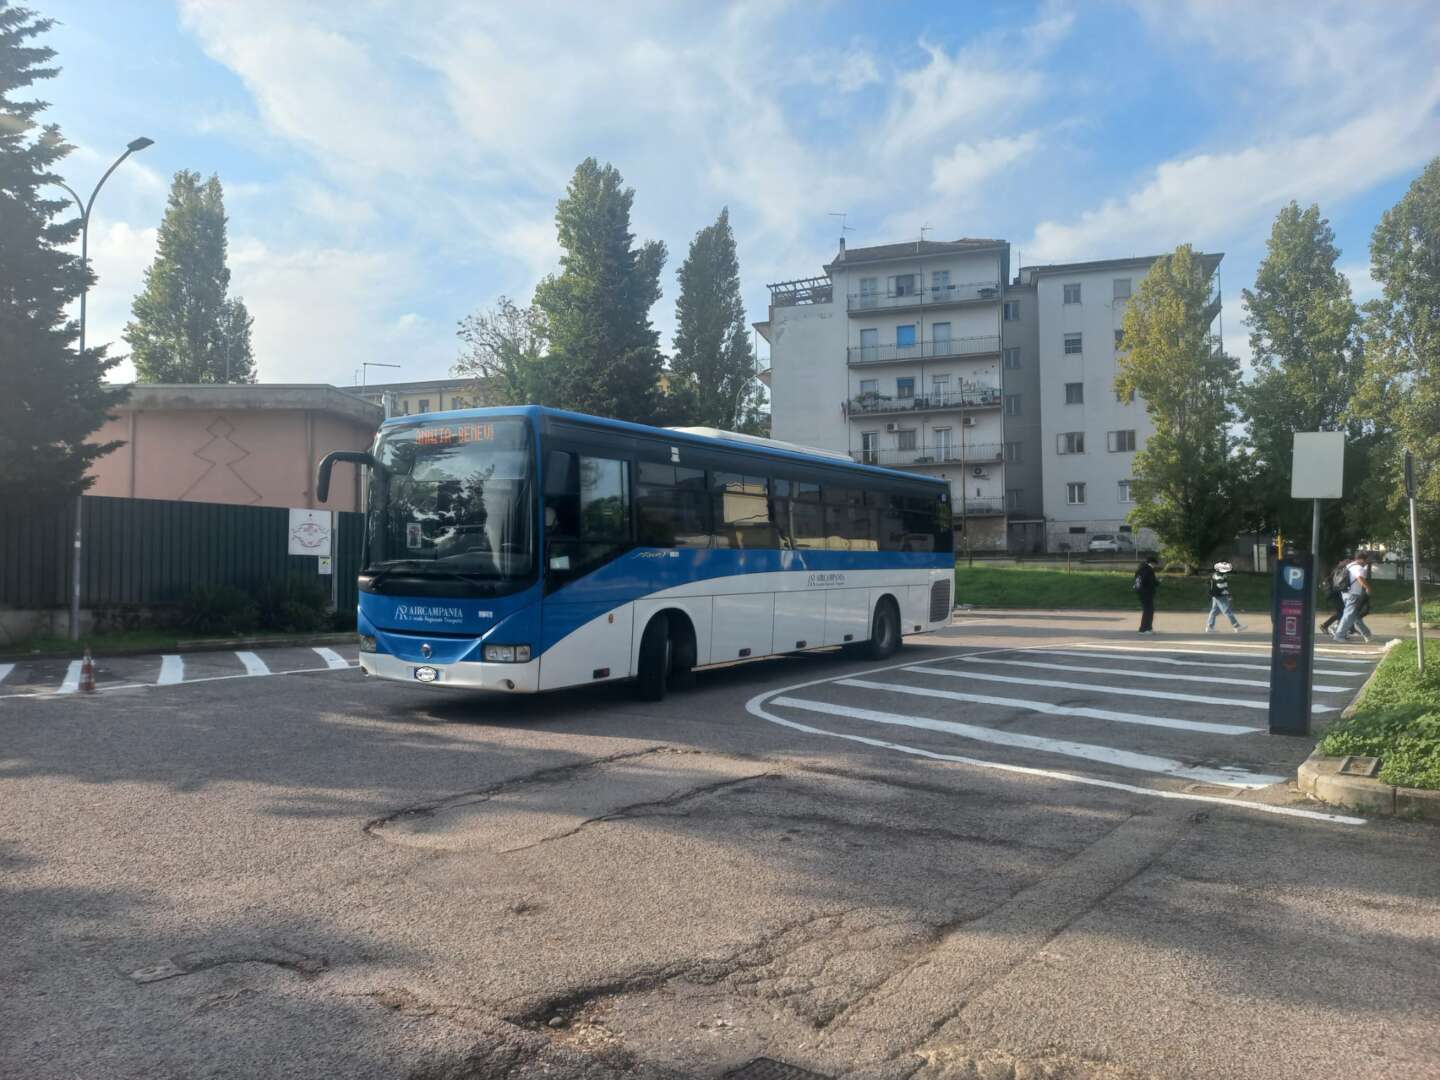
970	164
1363	287
120	253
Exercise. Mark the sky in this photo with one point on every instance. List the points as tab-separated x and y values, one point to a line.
391	167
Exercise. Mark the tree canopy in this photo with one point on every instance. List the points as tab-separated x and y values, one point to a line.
185	328
52	397
505	354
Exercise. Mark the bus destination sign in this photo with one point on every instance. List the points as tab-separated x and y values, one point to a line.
454	434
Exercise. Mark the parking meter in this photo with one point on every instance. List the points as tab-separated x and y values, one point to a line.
1292	644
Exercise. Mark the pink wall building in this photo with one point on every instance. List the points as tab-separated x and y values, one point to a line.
252	445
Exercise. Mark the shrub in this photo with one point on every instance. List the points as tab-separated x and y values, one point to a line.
1398	721
218	609
293	605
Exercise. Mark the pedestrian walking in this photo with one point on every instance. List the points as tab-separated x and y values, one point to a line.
1220	598
1357	587
1335	588
1367	568
1145	585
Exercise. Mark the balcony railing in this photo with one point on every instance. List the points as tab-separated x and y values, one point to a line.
973	454
976	506
967	292
972	397
861	355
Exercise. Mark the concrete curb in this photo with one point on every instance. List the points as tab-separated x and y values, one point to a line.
201	645
1320	776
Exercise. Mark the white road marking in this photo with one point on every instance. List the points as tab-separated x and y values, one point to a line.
1107	755
1051	709
1331	651
1146	656
1212	680
331	657
253	664
1124	691
756	707
172	670
5	670
1192	652
71	682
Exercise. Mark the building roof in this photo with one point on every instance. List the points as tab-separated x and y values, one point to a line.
1029	273
315	397
403	387
912	249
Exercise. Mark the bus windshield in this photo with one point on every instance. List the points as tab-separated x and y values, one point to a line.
453	500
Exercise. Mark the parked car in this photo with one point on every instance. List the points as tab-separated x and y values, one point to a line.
1109	544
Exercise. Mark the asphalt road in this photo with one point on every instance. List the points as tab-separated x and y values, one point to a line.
1033	846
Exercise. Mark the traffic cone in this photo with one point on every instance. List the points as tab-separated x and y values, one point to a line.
87	674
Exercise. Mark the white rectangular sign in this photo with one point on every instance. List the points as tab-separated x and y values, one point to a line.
324	565
1319	468
310	532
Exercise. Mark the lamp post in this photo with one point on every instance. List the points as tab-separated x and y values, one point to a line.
85	206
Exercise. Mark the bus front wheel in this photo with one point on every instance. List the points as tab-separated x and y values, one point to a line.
884	631
656	653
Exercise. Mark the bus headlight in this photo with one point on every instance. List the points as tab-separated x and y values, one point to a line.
367	643
507	654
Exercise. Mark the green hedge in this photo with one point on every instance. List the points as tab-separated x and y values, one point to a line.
1397	720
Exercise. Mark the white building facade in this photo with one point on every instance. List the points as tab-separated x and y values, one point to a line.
894	358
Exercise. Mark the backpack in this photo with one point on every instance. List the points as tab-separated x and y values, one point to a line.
1135	585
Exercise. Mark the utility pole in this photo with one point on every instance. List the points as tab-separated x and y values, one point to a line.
1415	562
132	147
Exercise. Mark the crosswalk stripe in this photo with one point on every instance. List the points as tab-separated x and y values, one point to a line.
253	664
5	670
1052	709
1124	758
1144	656
1198	652
330	656
1124	691
172	670
1330	651
1212	680
71	682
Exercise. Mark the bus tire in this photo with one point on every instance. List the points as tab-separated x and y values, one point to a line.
682	653
653	670
884	631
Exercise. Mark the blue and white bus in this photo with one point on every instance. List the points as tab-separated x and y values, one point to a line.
526	549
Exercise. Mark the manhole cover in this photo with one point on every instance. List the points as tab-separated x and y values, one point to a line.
1359	766
770	1069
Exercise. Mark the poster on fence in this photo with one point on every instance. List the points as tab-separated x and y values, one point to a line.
310	532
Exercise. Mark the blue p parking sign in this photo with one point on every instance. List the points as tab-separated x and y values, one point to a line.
1292	645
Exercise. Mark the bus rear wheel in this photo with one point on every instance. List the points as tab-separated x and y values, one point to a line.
656	654
884	631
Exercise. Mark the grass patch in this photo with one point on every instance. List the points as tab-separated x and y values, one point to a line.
1049	587
1398	721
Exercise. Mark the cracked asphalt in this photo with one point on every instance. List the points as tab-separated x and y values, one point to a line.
838	865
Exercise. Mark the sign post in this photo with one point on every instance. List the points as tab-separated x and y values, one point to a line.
1292	645
1415	561
312	533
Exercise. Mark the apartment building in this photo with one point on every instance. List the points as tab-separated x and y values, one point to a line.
1088	433
429	395
894	357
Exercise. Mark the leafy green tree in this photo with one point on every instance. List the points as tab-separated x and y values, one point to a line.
1307	366
51	396
1402	345
604	354
185	328
713	366
1186	476
505	355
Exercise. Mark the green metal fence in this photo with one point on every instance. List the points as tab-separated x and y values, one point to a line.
147	552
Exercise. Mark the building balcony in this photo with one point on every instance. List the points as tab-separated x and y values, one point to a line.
865	355
978	506
967	292
970	454
972	397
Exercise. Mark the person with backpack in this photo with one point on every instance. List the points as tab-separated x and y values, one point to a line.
1145	585
1220	599
1335	593
1359	586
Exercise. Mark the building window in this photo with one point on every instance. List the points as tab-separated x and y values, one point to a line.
1012	404
905	440
905	388
1119	339
1012	358
902	285
1077	530
1122	288
1124	397
869	447
1124	491
940	339
405	407
905	336
1011	311
870	345
1072	344
1012	498
940	385
1075	494
1014	451
1072	294
424	405
1074	393
869	387
869	291
940	438
1070	442
1119	441
939	280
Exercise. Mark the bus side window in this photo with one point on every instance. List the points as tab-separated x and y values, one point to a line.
839	508
742	512
890	527
807	519
671	506
591	523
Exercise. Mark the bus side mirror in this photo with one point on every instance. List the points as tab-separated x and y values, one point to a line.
557	472
322	475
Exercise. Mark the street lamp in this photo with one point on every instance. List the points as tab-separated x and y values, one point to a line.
131	147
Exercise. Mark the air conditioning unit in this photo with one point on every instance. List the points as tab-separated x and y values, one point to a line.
967	421
978	472
892	428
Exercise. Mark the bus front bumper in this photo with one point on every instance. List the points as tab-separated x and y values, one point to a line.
506	678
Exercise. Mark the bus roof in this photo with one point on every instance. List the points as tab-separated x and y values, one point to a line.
744	444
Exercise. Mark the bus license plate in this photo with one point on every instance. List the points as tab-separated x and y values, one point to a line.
426	674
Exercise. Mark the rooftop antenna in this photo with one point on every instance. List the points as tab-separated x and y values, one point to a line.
923	230
842	215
